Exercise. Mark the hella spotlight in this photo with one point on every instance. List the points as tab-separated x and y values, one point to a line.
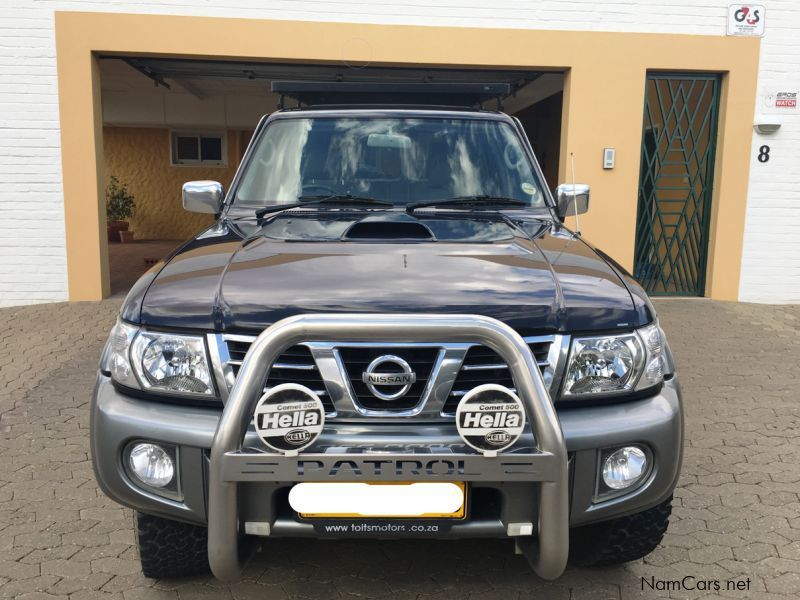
490	418
289	418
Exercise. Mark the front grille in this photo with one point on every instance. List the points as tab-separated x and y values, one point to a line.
435	393
483	365
357	359
295	365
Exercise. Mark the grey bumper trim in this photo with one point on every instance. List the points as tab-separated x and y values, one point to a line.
655	421
547	555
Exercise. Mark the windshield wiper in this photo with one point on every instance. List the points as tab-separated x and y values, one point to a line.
340	199
478	202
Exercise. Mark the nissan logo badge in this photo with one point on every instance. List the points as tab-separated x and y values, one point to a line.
377	379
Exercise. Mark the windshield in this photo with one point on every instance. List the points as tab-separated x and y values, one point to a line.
402	160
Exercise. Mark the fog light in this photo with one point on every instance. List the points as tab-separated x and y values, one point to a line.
151	464
624	467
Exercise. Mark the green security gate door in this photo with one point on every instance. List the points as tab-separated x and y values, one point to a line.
677	171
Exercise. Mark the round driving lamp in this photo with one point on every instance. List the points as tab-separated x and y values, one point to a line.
151	464
624	468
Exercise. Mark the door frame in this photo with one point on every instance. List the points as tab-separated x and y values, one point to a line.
708	191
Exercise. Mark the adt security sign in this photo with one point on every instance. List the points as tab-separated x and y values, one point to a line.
746	19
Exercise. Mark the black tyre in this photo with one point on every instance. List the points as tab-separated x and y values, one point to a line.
620	540
171	548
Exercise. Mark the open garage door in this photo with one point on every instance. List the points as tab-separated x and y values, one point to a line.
167	121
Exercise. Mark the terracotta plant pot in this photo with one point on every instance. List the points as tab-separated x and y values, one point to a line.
126	237
113	228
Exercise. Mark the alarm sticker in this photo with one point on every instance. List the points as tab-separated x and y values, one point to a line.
289	417
528	188
490	418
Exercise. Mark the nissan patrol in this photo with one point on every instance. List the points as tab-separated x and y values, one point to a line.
388	331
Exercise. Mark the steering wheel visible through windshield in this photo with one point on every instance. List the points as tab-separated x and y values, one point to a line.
398	159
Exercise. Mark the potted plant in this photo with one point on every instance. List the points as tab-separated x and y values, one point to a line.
119	208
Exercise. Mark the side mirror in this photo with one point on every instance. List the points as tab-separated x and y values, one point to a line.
572	199
203	197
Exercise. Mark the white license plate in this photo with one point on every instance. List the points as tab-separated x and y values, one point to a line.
346	500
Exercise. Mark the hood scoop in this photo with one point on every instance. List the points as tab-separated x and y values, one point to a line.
388	226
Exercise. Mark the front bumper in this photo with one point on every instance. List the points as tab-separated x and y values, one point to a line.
118	419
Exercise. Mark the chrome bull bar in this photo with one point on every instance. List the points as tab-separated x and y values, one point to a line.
547	466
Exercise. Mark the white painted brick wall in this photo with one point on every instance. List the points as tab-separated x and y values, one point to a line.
771	261
32	244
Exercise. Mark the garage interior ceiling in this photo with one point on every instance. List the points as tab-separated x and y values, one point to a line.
160	69
158	84
216	75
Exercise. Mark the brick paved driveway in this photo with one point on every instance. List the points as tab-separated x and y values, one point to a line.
737	512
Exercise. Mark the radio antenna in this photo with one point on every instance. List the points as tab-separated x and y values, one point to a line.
574	203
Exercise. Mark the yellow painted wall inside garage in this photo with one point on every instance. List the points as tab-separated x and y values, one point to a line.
140	158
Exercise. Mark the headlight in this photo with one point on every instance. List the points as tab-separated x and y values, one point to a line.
612	364
172	363
158	362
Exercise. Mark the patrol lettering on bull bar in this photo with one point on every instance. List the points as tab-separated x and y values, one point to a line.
373	467
400	467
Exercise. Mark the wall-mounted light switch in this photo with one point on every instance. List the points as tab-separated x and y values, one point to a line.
609	156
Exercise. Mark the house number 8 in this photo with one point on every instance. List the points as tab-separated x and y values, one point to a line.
763	153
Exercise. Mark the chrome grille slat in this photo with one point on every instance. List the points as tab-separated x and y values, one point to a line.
317	392
292	366
238	363
461	393
490	367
